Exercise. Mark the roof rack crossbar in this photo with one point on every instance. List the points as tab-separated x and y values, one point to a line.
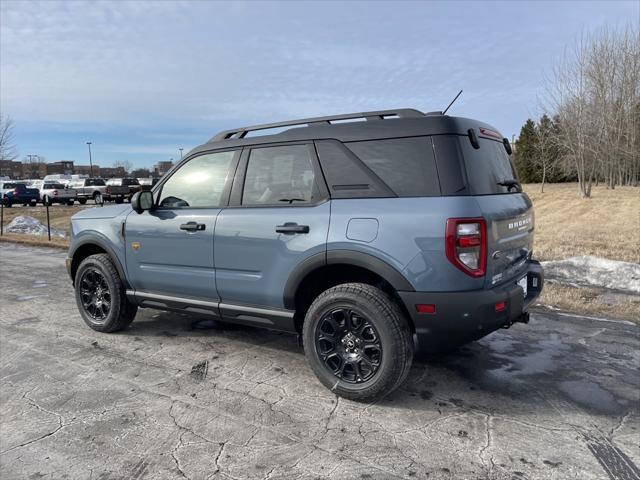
237	133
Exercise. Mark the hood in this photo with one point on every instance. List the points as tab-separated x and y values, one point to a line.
102	212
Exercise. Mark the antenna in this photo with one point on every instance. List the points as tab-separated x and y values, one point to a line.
452	102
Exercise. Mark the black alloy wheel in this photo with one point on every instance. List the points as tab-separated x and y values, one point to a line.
95	295
349	345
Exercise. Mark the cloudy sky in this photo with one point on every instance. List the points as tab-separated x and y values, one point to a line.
141	79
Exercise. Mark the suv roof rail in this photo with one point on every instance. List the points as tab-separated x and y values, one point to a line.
237	133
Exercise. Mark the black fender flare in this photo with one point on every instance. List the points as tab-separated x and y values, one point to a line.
108	249
343	257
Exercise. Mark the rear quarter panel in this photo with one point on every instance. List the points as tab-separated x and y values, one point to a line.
410	236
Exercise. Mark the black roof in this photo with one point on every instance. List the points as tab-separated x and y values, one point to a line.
373	125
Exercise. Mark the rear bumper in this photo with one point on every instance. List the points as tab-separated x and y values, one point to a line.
461	317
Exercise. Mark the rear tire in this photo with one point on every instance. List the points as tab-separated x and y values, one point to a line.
119	200
83	201
100	295
357	341
7	202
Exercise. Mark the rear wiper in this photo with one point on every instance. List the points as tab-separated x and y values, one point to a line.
291	200
510	183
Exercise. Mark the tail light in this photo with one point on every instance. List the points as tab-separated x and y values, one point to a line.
466	245
15	191
108	190
55	192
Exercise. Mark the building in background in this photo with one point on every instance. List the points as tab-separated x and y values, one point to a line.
63	167
10	168
87	170
18	170
112	172
162	167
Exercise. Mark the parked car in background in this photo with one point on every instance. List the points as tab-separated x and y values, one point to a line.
148	183
57	193
362	237
97	190
14	192
59	178
131	183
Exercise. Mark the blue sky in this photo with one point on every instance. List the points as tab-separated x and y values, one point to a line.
141	79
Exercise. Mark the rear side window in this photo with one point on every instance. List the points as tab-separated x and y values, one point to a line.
279	176
487	167
406	165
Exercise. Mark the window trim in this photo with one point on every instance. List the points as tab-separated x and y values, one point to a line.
224	197
235	200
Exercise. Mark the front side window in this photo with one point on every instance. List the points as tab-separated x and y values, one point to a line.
279	176
197	183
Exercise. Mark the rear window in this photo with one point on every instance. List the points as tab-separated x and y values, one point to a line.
130	181
58	186
406	165
487	166
9	185
95	182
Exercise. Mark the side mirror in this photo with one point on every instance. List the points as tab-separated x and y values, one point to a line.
142	201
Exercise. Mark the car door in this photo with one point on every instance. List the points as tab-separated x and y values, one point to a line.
277	217
169	249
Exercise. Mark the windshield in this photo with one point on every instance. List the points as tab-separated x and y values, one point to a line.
489	168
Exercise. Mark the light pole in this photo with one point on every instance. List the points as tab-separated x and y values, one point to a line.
181	152
90	162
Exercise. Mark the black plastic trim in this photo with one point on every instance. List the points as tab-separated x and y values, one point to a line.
464	316
298	274
271	318
103	245
374	264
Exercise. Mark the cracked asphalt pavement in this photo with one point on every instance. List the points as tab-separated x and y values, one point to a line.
558	398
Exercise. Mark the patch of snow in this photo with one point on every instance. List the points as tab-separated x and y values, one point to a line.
32	226
594	272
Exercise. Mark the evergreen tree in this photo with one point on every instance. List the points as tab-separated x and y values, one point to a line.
525	154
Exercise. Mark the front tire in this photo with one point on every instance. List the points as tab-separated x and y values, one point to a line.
357	341
100	295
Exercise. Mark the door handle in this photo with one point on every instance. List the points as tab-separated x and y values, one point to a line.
192	226
290	228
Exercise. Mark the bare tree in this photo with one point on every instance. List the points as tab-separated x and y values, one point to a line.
31	166
595	93
8	150
126	164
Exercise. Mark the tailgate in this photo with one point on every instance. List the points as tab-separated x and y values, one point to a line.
510	225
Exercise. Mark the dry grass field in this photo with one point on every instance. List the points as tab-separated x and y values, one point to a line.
606	225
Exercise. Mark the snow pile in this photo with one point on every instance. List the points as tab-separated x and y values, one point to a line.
31	226
594	272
